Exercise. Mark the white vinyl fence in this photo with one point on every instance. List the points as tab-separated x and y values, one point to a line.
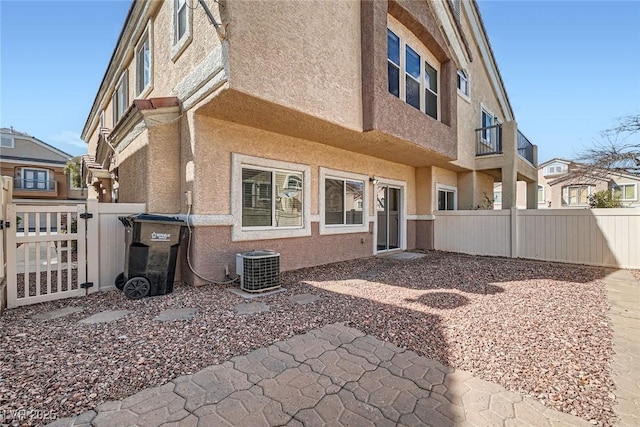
602	237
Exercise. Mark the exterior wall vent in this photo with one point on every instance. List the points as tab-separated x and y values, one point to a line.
259	270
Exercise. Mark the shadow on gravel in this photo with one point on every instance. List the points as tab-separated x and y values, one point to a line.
441	300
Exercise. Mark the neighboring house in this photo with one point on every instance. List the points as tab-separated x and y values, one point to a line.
325	133
36	167
565	184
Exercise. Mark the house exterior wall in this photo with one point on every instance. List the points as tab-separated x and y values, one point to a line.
26	148
299	83
276	49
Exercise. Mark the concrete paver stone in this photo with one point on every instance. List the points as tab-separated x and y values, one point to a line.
303	299
55	314
176	314
335	375
251	308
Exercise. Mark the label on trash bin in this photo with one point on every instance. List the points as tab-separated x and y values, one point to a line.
160	237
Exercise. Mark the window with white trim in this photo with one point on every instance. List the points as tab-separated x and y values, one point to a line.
101	120
143	63
463	83
36	179
446	198
487	120
540	194
626	192
120	98
271	198
418	84
6	142
343	202
577	195
497	197
179	19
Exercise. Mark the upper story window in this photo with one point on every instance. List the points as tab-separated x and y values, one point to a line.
182	28
487	120
463	83
418	84
101	119
143	64
626	192
6	142
393	62
180	19
120	99
35	179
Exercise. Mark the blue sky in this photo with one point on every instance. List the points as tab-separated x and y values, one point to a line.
570	68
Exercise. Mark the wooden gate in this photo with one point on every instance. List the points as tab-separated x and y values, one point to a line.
46	252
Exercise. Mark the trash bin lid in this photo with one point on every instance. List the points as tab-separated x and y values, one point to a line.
146	217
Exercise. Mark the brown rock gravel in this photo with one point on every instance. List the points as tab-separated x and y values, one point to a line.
535	328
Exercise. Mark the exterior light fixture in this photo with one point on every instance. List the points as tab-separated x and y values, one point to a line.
373	180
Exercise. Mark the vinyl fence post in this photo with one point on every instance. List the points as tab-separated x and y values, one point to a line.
93	245
514	233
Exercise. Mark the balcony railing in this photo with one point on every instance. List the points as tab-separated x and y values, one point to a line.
525	148
34	184
489	140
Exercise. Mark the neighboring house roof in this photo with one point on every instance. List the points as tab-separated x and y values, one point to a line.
554	160
14	133
32	159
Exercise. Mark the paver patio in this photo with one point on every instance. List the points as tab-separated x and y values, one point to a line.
335	375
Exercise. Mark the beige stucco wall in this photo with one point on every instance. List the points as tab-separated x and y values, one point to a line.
304	55
469	110
133	170
216	140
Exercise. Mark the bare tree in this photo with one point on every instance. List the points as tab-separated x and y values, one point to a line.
617	151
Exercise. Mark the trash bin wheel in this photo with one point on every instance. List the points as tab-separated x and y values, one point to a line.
136	288
121	279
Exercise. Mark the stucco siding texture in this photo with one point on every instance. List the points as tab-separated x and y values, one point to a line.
481	93
385	112
301	54
212	250
133	172
216	140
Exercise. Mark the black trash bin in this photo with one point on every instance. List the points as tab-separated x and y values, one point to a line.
152	243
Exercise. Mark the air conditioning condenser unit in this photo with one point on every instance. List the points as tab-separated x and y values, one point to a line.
259	270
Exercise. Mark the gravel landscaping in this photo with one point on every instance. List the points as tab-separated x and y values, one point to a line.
535	328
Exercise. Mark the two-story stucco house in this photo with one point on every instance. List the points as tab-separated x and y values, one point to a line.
36	167
566	184
323	130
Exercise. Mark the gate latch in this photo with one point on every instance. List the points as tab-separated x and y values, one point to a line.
86	285
4	224
86	215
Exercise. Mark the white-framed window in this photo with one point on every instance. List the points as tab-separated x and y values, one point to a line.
7	142
577	195
144	62
541	194
343	201
182	23
626	192
497	197
418	83
270	199
447	197
36	179
463	83
393	62
120	98
101	120
488	119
